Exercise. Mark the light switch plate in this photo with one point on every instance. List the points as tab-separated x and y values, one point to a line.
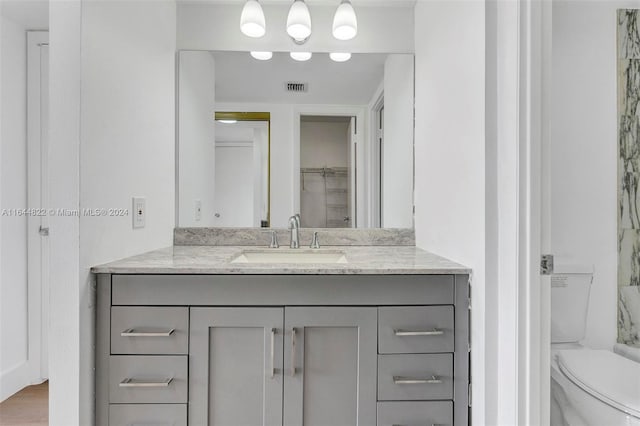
139	212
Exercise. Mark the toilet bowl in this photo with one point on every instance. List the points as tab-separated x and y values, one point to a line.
588	386
593	387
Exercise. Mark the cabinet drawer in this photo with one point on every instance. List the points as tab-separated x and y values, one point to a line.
148	414
415	377
402	413
419	329
149	330
147	379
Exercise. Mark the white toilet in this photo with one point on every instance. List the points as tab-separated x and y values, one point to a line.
588	386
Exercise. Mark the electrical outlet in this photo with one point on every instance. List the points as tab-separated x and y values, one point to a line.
198	210
139	212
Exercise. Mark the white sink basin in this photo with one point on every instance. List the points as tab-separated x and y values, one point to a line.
290	256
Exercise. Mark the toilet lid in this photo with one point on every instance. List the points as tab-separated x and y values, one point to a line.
609	377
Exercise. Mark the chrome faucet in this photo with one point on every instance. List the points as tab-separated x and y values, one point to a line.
294	226
315	244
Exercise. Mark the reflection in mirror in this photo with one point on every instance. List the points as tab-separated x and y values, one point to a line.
341	140
326	189
241	180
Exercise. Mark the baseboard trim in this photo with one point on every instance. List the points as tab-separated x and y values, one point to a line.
14	380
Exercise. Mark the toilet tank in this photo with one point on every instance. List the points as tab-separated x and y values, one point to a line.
570	286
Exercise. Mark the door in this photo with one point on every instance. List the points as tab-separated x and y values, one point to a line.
351	219
330	366
235	366
234	184
38	200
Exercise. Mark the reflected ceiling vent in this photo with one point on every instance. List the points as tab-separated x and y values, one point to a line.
296	87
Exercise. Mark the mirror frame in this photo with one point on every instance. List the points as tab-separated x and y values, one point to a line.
254	116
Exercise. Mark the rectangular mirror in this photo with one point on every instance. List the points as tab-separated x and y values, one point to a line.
261	140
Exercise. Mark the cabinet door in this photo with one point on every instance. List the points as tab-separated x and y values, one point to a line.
235	366
330	366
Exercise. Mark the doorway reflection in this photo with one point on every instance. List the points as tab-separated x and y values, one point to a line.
327	156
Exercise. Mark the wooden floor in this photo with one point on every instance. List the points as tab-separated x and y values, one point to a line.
29	407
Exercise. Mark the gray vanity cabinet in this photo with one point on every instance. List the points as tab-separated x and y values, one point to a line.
239	376
282	350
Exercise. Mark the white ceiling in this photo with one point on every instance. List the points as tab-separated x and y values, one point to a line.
31	14
240	78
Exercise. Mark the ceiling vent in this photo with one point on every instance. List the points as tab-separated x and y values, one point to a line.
296	87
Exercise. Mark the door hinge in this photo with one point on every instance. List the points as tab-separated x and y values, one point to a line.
546	264
469	394
43	231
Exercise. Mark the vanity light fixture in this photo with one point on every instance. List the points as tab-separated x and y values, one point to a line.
345	22
340	56
252	22
227	121
299	22
301	56
262	56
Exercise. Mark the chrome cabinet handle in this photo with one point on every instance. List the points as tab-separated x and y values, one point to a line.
136	383
132	332
432	424
273	346
401	380
293	352
434	332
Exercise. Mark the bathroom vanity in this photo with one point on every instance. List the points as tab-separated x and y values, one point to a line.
190	335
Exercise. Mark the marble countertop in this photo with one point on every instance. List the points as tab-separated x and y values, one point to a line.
217	260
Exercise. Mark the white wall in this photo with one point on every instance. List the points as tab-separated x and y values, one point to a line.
203	26
324	144
13	276
196	136
1	182
128	107
583	151
397	177
450	151
65	399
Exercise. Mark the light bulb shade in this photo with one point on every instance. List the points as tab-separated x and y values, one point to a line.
345	22
340	56
301	56
252	22
299	20
262	56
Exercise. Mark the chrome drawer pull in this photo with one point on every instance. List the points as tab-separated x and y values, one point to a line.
434	332
136	383
400	380
132	332
432	424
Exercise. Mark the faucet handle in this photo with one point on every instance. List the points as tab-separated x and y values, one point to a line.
315	244
274	239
